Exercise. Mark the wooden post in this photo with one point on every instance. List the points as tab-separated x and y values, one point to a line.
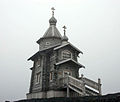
99	87
83	85
68	90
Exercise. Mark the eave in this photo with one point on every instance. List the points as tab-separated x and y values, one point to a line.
70	61
39	52
34	56
38	41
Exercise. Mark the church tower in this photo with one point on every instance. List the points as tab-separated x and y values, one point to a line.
55	68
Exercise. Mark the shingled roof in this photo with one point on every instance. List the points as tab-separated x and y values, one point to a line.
52	31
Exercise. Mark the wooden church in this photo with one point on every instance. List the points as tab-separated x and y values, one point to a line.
55	70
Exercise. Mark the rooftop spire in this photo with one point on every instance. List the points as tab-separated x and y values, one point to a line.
52	11
52	20
52	31
64	38
64	29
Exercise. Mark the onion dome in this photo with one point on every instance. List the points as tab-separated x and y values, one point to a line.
52	21
52	31
64	38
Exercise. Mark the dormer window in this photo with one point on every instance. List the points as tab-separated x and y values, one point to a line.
66	54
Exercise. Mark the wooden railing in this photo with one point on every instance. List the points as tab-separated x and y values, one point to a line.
76	85
75	81
80	85
93	84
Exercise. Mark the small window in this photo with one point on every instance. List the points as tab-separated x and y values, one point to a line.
52	57
66	73
66	54
38	75
51	76
38	63
47	43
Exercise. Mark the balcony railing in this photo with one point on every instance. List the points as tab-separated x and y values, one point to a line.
80	85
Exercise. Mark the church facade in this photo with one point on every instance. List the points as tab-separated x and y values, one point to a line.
55	71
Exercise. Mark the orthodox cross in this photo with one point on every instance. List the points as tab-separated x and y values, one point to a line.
52	11
64	27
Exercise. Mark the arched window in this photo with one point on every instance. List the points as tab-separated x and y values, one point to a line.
38	75
66	54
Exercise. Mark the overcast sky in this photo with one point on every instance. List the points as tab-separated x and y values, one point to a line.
92	25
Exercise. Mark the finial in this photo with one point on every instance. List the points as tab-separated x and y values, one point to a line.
64	38
52	11
82	75
64	29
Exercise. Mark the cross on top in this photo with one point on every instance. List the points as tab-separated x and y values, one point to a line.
52	11
64	27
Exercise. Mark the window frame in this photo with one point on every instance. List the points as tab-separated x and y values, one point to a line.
38	75
65	52
38	63
47	43
67	73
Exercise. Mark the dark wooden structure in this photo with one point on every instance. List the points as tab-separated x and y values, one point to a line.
55	70
105	98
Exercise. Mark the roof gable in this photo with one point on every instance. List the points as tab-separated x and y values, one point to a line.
68	44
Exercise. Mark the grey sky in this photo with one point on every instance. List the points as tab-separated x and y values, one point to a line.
92	25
